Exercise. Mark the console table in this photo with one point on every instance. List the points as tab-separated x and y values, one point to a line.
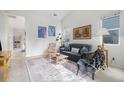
5	57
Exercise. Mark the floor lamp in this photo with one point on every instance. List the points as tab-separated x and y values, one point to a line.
100	33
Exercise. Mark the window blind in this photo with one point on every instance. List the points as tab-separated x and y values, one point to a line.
113	25
111	22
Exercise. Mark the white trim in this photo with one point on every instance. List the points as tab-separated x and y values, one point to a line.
112	14
29	73
114	29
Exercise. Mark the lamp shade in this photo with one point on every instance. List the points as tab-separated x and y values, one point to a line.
102	31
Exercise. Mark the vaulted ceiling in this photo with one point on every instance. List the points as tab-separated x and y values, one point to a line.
55	14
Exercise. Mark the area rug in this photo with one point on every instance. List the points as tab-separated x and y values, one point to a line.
42	70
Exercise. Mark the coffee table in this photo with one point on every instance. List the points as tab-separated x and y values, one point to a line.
59	59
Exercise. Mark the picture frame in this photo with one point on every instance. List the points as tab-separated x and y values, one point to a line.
83	32
51	30
42	32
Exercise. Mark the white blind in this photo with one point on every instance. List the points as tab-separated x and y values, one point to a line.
113	25
111	22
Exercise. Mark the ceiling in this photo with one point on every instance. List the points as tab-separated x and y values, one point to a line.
47	13
18	22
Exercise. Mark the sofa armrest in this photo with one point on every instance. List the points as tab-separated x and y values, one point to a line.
89	52
64	49
87	55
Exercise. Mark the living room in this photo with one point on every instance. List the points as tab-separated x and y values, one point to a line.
39	23
61	46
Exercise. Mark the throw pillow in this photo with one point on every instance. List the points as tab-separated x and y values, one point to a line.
75	50
83	50
67	47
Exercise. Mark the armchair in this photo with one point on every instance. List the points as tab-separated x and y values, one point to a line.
51	50
92	63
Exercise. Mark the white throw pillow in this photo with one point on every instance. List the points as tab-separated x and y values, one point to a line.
75	50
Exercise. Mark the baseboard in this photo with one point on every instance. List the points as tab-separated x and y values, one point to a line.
34	57
28	71
118	66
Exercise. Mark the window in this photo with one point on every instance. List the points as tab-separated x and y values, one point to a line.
112	24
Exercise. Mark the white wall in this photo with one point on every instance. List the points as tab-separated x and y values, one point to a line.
81	18
2	29
34	45
3	33
117	51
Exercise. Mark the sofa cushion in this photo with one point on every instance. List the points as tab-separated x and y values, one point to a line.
74	45
75	54
71	53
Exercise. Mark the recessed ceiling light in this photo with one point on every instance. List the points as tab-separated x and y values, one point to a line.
54	14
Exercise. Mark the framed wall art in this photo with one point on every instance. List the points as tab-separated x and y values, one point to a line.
83	32
42	32
51	31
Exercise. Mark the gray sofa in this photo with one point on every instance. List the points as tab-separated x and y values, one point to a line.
83	49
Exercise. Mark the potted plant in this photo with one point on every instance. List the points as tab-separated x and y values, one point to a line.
59	38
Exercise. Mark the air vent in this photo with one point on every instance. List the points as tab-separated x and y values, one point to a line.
11	16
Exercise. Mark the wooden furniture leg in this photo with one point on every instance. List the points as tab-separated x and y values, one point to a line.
78	68
4	71
106	57
93	75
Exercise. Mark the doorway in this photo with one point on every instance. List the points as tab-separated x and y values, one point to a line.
16	36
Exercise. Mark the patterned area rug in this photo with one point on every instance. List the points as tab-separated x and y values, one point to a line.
42	70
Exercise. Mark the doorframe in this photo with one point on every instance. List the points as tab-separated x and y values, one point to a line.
7	26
